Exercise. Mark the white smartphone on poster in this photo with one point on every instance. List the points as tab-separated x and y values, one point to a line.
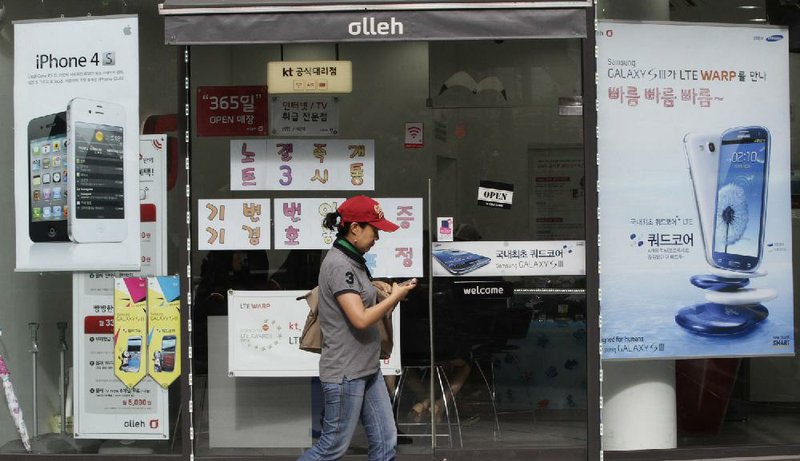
96	167
702	153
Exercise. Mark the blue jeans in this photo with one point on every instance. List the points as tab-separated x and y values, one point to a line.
365	399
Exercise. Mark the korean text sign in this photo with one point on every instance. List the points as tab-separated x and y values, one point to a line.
310	76
298	225
306	116
302	164
231	111
233	224
482	258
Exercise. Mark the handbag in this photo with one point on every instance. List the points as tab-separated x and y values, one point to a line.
311	337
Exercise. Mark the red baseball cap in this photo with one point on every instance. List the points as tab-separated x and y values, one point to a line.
362	209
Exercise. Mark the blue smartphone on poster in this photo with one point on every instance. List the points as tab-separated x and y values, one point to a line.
741	199
459	262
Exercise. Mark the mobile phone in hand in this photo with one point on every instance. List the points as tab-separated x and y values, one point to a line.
410	281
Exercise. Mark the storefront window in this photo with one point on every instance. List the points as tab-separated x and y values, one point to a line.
742	397
37	318
445	120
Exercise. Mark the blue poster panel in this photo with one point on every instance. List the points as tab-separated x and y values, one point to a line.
694	161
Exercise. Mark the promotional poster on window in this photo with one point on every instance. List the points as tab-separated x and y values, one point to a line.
500	259
694	192
264	329
76	144
104	406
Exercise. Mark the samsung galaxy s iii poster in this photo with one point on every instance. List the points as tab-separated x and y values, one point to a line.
76	116
695	215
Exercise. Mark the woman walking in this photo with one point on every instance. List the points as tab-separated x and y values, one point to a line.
349	366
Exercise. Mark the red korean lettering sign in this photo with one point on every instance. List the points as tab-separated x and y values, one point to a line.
231	110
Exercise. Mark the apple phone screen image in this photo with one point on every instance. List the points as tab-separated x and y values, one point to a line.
97	173
47	178
702	153
741	199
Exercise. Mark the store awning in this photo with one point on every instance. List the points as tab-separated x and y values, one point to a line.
208	22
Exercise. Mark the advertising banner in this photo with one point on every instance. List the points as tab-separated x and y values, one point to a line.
231	111
298	225
152	203
264	330
477	259
76	144
130	329
233	224
694	198
104	407
303	164
291	115
164	329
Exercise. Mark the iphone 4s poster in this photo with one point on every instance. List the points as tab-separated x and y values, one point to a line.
694	191
76	144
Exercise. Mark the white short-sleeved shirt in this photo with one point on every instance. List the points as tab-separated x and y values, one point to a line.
347	352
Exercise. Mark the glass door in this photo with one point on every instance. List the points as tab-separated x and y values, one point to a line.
479	135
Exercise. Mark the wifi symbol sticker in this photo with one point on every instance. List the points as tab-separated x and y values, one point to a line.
415	135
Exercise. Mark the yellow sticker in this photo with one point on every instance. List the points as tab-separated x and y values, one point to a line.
164	329
130	328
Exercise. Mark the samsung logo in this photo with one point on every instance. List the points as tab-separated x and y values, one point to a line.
369	26
774	38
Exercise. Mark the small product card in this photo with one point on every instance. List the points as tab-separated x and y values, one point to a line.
164	329
444	229
130	327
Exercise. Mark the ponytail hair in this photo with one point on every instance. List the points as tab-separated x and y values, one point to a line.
333	221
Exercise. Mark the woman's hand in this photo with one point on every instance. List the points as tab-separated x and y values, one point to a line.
383	286
404	287
360	316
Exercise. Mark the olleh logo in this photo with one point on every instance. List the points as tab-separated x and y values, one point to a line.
368	26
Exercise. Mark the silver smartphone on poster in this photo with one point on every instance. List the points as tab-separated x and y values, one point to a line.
702	154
